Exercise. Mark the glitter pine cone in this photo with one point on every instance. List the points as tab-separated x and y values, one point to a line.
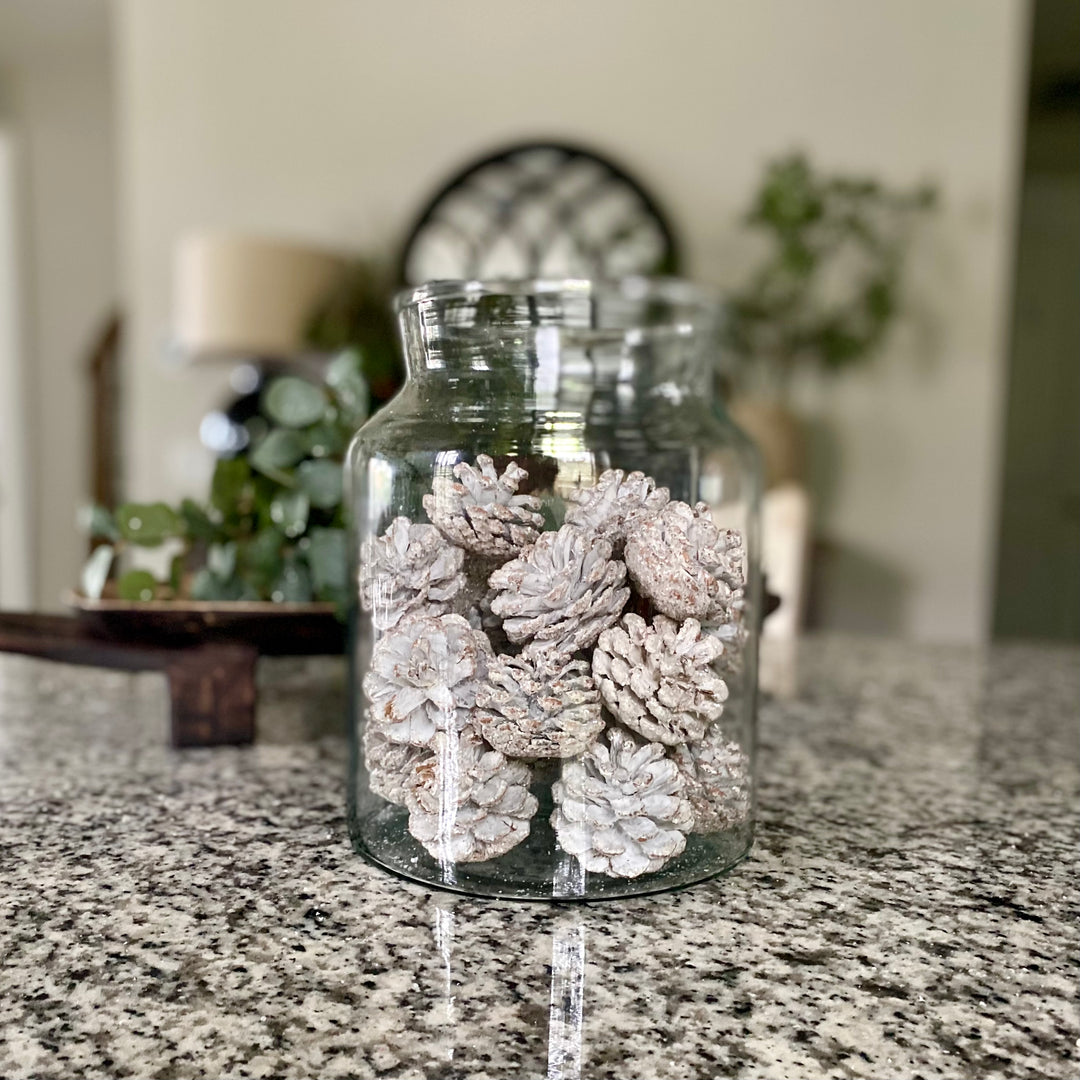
659	679
481	511
616	505
467	802
390	764
409	570
424	677
621	807
560	593
718	782
686	566
529	709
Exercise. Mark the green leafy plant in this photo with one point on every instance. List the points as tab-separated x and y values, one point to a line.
358	313
273	526
829	288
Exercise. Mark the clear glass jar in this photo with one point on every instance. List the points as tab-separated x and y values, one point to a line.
554	534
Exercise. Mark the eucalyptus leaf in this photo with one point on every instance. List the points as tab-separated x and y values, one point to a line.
256	428
322	482
196	521
289	512
226	489
98	523
207	586
293	402
345	377
95	571
281	449
221	560
204	586
326	555
176	574
137	585
266	490
325	440
294	584
340	599
148	524
260	558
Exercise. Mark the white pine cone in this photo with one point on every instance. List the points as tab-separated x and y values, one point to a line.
658	680
621	808
560	592
616	504
686	566
389	764
480	510
424	675
528	709
409	570
467	802
717	775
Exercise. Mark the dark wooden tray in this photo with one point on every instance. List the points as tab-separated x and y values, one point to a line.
207	651
274	629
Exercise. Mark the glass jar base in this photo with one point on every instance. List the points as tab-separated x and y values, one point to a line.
536	869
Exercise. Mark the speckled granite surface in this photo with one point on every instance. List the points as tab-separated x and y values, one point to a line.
909	910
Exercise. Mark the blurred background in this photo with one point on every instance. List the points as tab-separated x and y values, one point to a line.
942	461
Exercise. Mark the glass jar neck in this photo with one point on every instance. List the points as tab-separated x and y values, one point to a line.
554	365
560	344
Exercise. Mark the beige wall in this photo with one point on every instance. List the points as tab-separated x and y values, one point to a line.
332	120
57	105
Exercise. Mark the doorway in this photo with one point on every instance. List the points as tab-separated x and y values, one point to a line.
1038	566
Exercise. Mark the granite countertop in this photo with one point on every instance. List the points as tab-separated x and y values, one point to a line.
909	909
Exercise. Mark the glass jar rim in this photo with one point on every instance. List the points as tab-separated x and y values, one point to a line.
678	292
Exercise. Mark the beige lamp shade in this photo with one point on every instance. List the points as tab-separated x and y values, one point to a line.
246	296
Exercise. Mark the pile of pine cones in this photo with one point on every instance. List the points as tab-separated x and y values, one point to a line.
502	645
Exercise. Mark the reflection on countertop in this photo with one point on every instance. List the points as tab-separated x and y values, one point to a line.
908	910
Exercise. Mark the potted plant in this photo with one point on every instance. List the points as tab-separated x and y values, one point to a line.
272	528
825	295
